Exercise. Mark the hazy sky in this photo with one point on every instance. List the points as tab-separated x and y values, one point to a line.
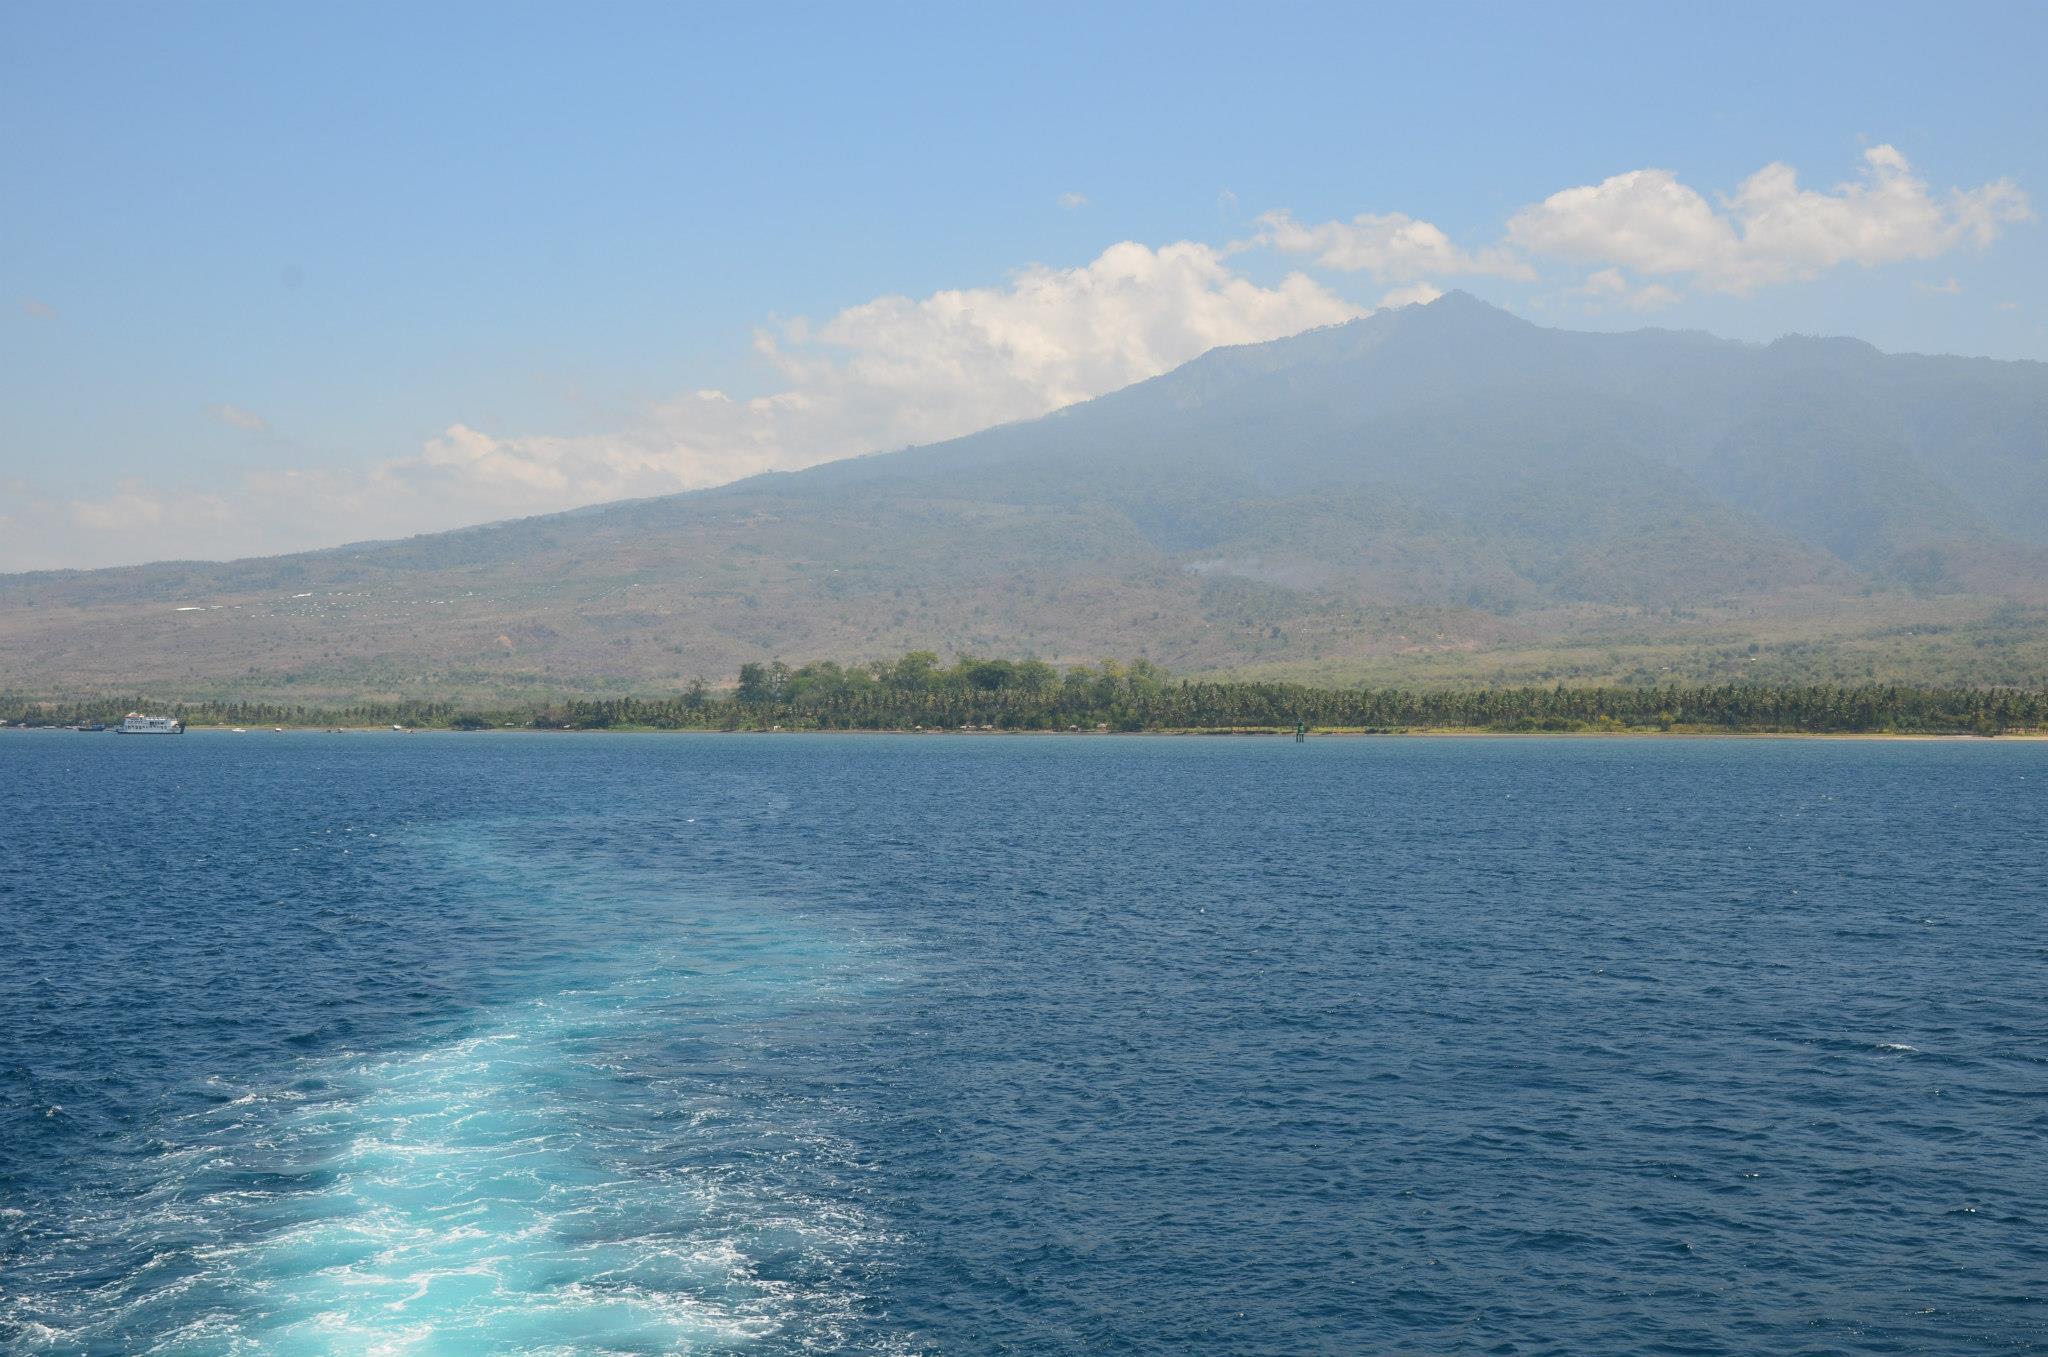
291	275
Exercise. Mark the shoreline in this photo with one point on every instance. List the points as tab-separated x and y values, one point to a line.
1426	733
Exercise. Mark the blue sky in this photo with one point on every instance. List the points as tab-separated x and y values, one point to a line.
283	276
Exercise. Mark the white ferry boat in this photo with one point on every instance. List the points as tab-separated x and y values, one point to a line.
138	724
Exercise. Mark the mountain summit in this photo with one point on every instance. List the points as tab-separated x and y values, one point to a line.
1438	492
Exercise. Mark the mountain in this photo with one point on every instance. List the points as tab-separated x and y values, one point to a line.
1439	493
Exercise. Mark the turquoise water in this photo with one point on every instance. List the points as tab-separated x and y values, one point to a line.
497	1043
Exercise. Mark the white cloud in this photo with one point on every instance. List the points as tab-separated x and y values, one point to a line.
887	373
1392	247
1410	295
236	417
1770	230
1612	287
1073	200
2008	306
958	360
898	370
38	309
1948	289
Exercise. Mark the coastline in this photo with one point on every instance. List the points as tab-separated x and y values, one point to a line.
1268	733
913	695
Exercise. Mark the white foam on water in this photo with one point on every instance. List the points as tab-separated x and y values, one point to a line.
461	1205
524	1188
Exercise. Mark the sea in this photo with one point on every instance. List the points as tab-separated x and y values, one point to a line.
437	1044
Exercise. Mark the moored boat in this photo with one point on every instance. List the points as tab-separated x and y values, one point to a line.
138	724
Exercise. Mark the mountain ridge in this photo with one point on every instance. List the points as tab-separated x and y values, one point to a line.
1441	492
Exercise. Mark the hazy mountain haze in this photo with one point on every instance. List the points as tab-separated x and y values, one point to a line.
1432	492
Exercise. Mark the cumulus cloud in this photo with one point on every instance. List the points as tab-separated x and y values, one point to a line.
1392	247
899	370
887	373
1770	230
961	359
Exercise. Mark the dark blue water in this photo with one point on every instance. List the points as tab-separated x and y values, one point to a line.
490	1044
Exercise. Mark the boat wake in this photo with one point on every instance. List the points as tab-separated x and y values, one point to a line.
614	1168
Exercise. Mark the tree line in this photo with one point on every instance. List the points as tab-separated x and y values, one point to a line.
916	691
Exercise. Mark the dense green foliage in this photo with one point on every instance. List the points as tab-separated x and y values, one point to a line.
916	693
